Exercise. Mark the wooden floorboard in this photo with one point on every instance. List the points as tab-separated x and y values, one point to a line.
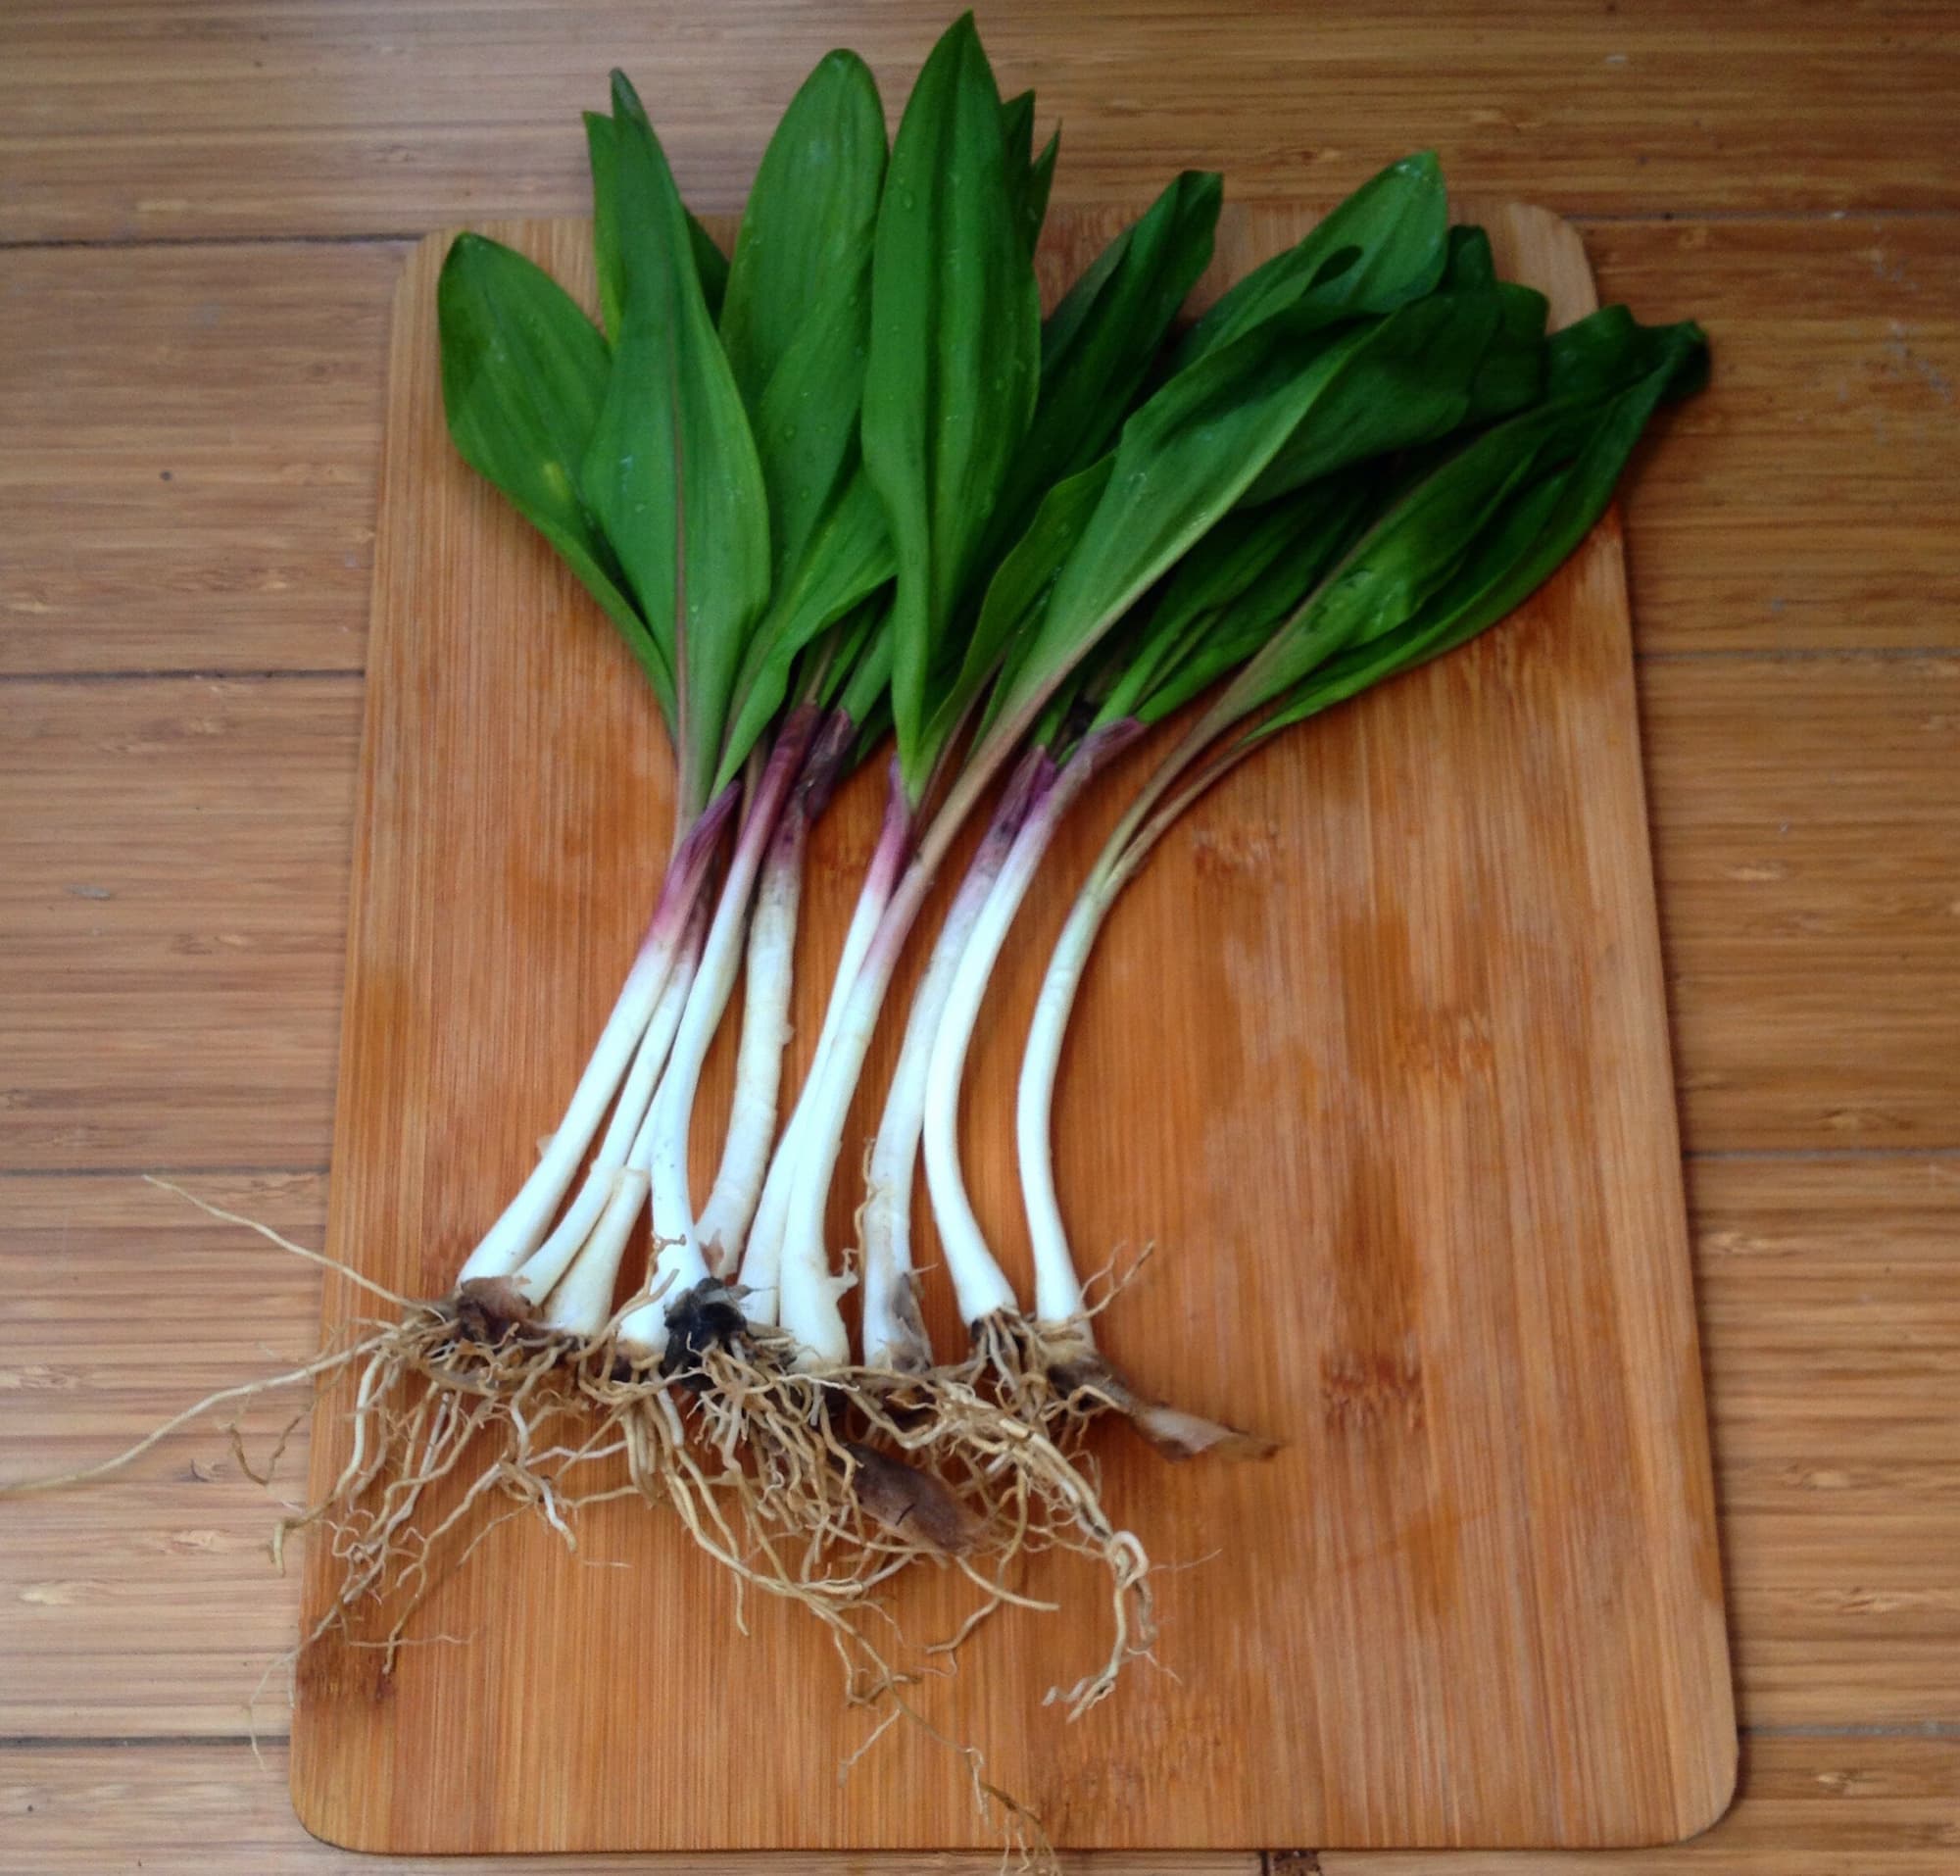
1806	821
1805	501
125	120
173	909
147	1604
192	440
1809	1806
1830	1299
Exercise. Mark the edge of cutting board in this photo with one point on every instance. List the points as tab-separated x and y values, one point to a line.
1368	1398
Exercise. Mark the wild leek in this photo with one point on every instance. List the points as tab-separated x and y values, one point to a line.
1463	542
669	477
1309	381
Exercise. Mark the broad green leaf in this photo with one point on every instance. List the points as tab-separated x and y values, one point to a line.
523	379
1511	373
1229	595
1018	593
866	696
1219	568
1232	592
847	643
1228	560
1060	327
804	255
601	158
954	365
1402	558
1017	138
672	471
796	327
525	371
1320	535
1413	381
1029	177
711	267
1102	339
1541	527
1434	627
1300	373
1436	538
1610	351
1184	459
1662	365
1154	642
805	427
1035	193
1095	348
1467	258
709	263
1385	245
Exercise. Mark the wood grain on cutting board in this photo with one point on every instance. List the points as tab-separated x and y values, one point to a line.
1376	1054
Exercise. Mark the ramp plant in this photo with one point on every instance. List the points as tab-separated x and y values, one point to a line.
1462	538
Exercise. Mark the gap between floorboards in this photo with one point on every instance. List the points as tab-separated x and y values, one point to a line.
393	237
1761	655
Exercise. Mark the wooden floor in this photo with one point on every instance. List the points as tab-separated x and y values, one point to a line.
203	208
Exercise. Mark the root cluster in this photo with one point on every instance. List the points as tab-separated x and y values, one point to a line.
1057	1379
820	1486
814	1487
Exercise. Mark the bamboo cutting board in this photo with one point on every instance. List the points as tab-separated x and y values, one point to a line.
1376	1053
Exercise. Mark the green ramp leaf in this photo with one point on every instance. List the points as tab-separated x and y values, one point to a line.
524	376
1232	592
709	263
672	471
797	317
847	557
1386	244
1029	177
1429	368
1100	342
1578	451
954	363
1017	596
1183	461
1435	537
1265	364
796	327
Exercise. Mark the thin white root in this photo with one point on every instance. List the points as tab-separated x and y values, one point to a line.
270	1236
324	1364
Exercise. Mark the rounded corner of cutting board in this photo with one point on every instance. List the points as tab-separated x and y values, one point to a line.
324	1820
1702	1810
